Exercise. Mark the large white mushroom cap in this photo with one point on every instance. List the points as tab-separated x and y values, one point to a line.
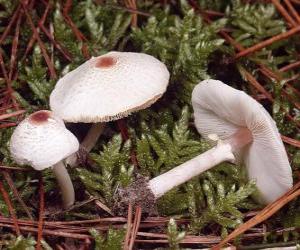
109	87
42	140
222	110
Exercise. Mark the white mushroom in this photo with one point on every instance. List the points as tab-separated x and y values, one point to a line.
107	88
248	133
42	141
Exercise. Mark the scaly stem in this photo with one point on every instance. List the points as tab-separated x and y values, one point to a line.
184	172
65	183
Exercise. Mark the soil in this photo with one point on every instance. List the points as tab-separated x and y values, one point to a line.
136	194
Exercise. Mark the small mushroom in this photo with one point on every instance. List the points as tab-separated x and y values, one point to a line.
248	134
42	141
107	88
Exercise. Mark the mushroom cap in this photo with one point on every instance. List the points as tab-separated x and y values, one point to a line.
222	110
42	140
109	87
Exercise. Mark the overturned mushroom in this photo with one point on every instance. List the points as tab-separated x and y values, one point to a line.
42	141
248	134
108	88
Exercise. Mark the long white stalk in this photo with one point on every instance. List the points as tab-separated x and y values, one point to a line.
184	172
88	142
92	136
65	183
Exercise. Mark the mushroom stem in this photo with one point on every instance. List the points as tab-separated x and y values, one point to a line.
222	152
144	193
65	183
88	142
176	176
92	136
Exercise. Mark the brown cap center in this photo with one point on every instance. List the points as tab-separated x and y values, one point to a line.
39	117
106	62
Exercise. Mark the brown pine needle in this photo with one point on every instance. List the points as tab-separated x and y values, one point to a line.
284	13
41	214
13	57
10	182
52	232
11	22
264	214
13	114
10	208
290	66
136	224
256	84
292	10
290	141
41	44
267	42
131	4
129	228
14	168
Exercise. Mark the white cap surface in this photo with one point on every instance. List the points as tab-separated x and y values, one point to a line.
109	87
42	140
222	110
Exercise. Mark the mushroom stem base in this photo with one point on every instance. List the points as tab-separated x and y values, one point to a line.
186	171
136	194
65	183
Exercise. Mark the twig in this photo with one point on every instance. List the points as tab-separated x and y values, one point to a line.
13	114
131	4
214	13
64	52
41	214
290	66
41	45
284	13
77	205
33	37
121	123
10	182
14	168
136	224
256	84
51	232
80	37
267	42
125	136
4	72
280	245
295	91
7	125
189	239
292	10
290	141
129	227
10	208
10	24
103	207
14	48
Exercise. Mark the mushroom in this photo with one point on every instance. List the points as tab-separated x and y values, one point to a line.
107	88
42	141
248	134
